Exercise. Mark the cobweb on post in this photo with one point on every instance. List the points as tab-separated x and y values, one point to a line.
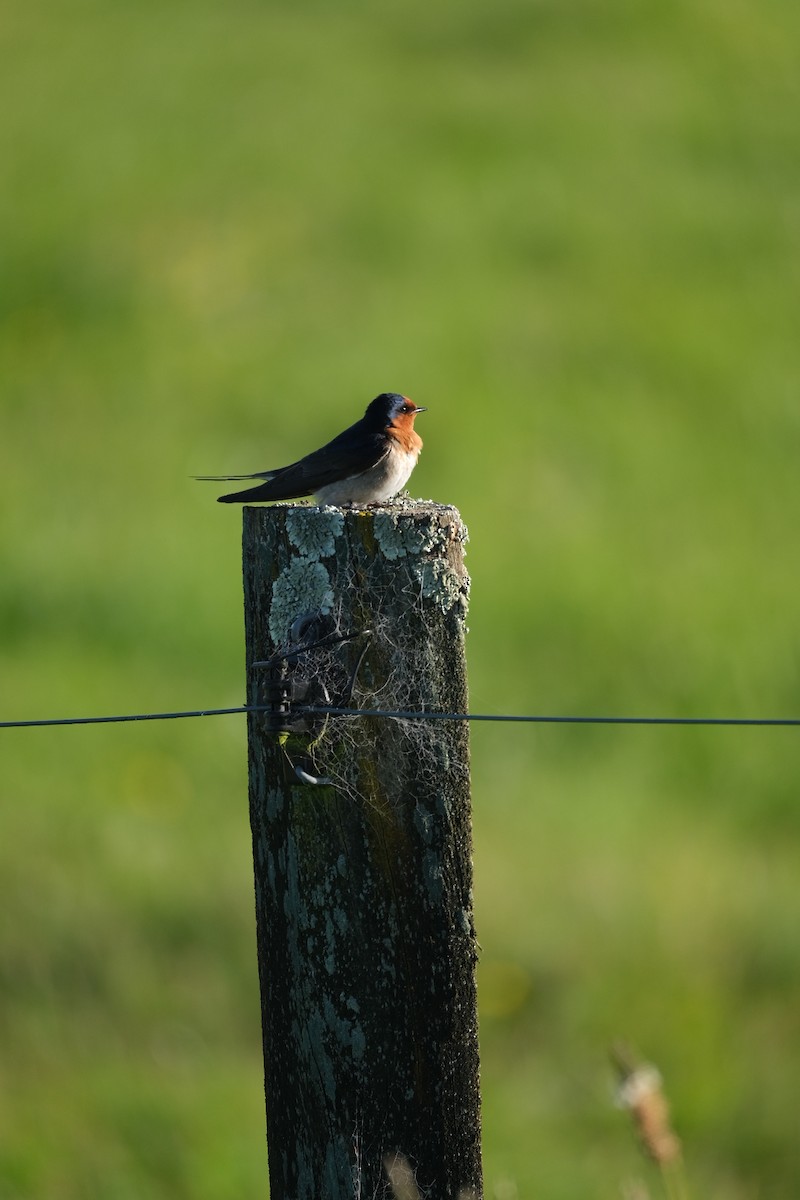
371	660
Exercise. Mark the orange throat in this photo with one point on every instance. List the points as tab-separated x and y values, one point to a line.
402	432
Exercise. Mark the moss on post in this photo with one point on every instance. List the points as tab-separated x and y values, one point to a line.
366	942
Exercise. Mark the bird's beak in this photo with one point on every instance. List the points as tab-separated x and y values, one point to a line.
417	409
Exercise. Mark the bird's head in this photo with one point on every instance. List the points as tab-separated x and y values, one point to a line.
391	410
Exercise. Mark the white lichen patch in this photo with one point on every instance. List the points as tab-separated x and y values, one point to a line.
313	531
397	537
442	585
303	586
428	540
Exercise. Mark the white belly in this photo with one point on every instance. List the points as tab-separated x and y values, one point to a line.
380	482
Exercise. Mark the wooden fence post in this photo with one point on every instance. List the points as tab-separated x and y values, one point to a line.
366	943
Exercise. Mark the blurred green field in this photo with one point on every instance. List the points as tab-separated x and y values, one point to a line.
572	230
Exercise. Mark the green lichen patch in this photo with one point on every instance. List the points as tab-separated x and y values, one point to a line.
302	586
313	531
442	585
397	537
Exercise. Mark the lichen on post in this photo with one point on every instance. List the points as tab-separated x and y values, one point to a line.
366	942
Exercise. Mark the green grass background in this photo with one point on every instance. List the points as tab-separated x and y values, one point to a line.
570	228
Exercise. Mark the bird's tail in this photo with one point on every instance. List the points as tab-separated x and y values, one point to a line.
264	491
254	493
227	478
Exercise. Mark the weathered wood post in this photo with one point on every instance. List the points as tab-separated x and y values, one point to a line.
366	944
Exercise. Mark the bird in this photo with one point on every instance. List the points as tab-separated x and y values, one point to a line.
367	463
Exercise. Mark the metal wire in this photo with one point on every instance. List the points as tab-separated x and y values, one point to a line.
408	715
165	716
547	719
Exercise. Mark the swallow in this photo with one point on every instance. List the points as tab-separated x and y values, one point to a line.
368	463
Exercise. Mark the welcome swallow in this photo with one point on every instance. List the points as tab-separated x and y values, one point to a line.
366	464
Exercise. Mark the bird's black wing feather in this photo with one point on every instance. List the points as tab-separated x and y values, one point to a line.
340	459
347	455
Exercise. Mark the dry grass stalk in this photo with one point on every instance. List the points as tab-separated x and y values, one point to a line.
641	1093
